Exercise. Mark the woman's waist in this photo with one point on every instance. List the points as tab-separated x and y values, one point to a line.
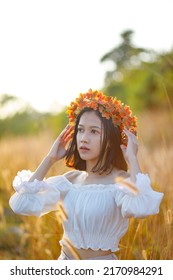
95	242
83	254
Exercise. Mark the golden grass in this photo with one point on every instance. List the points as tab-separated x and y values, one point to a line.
37	238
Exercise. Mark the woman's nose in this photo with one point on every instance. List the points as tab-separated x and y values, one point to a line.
84	138
84	141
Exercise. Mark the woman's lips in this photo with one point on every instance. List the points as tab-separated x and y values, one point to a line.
84	149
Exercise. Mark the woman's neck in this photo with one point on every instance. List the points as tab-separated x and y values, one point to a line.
94	177
89	167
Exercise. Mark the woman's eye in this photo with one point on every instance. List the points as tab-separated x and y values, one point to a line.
80	129
94	131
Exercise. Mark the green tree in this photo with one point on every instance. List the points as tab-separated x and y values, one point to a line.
124	56
141	78
26	120
5	98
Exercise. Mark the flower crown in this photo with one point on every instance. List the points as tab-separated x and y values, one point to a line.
109	107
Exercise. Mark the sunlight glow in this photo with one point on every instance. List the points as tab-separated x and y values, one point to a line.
50	50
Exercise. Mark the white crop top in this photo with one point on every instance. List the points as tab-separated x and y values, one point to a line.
97	215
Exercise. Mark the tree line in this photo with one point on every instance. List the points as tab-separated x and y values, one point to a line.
140	77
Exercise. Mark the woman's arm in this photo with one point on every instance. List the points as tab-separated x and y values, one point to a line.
134	168
146	201
57	152
130	155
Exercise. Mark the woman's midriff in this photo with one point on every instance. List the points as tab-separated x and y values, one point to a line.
75	253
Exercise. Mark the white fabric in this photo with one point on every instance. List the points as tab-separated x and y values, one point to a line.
97	214
111	256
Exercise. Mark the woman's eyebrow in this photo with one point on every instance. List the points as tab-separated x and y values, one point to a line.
92	126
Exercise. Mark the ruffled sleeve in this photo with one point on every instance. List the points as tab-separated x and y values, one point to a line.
38	197
143	203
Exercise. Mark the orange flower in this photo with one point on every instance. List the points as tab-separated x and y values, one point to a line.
106	115
108	106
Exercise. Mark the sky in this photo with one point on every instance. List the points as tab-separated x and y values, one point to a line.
50	50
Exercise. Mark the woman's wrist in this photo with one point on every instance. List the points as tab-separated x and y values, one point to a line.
42	169
133	160
49	160
134	168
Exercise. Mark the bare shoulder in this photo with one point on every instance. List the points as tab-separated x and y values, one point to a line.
72	175
124	174
120	174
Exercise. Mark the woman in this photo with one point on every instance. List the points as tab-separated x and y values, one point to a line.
98	196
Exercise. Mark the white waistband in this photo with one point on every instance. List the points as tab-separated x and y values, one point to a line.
110	256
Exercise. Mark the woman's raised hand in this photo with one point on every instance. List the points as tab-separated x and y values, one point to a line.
57	152
130	154
58	149
131	150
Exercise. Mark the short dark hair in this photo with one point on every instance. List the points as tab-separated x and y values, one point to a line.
110	155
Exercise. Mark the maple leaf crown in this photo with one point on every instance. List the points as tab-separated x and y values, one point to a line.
109	107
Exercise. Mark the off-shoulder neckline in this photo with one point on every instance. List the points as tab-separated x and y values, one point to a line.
91	184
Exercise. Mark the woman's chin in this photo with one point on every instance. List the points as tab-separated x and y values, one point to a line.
83	157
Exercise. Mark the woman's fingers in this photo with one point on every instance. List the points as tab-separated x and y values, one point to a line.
67	132
132	143
64	131
131	136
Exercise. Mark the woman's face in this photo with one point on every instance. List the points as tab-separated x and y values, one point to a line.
89	137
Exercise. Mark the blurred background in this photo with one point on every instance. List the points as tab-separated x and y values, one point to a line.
50	51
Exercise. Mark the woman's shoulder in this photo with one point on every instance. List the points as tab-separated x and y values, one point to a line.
77	176
73	175
120	174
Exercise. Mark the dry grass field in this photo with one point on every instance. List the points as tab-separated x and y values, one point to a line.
37	238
